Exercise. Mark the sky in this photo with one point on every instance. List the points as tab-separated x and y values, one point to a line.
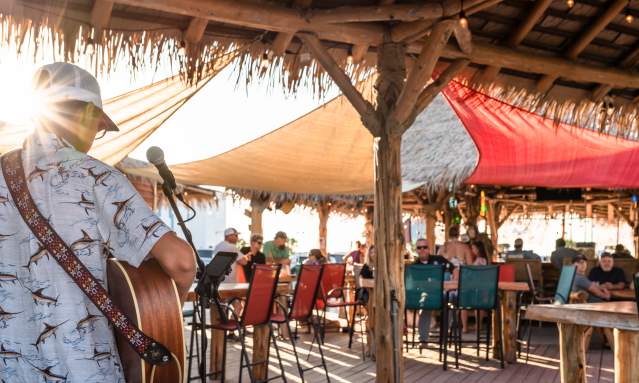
218	118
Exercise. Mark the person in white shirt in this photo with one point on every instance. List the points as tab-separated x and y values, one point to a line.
229	244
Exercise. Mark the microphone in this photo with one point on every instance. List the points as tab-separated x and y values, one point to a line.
155	156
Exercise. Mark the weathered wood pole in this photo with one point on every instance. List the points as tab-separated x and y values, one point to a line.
431	222
389	241
572	353
324	211
626	356
258	204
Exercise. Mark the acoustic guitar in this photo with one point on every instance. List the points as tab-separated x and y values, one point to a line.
149	298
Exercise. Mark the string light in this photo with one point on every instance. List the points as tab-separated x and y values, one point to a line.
629	18
182	49
89	48
463	20
349	58
570	3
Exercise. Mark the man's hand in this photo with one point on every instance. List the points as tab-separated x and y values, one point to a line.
607	285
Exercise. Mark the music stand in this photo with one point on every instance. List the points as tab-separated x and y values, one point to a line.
216	271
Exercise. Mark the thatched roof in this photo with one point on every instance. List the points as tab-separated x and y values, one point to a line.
572	64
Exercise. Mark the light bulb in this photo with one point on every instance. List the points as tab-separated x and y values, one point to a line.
570	3
629	18
463	20
349	59
182	50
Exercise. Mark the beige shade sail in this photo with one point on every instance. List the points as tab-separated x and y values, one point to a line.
326	151
137	114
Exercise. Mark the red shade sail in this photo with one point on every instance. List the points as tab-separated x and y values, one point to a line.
517	147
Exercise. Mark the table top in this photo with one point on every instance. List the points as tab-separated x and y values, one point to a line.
239	290
625	294
452	285
621	315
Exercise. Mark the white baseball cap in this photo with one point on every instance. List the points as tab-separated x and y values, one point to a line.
60	82
230	231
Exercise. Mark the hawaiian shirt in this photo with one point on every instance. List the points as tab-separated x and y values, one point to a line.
49	330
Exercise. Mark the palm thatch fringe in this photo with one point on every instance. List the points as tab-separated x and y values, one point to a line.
349	205
606	116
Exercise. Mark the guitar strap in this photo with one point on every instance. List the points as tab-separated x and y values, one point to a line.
150	350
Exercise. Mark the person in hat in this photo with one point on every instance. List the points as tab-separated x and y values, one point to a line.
276	250
607	275
596	292
229	245
96	211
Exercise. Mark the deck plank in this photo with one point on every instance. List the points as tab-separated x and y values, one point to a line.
346	365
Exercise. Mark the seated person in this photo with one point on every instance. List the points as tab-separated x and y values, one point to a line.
557	256
520	253
607	275
423	257
357	255
315	257
621	252
595	292
252	255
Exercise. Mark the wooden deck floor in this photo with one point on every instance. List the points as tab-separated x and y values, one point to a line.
346	365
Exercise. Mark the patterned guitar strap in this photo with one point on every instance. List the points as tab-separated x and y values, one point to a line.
150	350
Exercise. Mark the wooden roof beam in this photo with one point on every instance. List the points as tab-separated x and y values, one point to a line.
617	6
489	74
101	15
488	54
363	107
264	16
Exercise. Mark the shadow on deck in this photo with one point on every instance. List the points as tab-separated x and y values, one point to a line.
346	365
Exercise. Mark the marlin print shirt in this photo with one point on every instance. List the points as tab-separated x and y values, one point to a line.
49	330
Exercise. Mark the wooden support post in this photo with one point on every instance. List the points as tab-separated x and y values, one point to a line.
369	229
431	222
492	217
572	353
323	210
508	305
217	346
261	344
626	356
258	204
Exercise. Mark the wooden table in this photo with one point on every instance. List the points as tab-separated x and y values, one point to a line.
575	319
260	334
623	295
508	301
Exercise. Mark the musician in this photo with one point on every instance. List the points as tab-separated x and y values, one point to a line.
50	328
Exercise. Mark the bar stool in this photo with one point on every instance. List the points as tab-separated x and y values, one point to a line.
258	307
301	310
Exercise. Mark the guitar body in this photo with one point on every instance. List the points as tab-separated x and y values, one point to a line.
150	299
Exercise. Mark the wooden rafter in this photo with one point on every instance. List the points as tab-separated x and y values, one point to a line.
422	70
283	39
409	31
427	96
630	60
623	215
101	14
281	19
195	31
363	107
586	37
489	74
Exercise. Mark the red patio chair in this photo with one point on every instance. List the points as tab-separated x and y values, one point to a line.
301	310
257	311
332	296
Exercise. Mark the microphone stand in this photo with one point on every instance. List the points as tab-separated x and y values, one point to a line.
204	285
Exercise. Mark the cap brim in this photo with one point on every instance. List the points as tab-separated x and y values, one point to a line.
106	123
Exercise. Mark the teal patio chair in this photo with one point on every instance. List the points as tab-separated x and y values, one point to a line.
424	290
477	290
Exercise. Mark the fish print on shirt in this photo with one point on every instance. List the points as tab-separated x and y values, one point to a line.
49	330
